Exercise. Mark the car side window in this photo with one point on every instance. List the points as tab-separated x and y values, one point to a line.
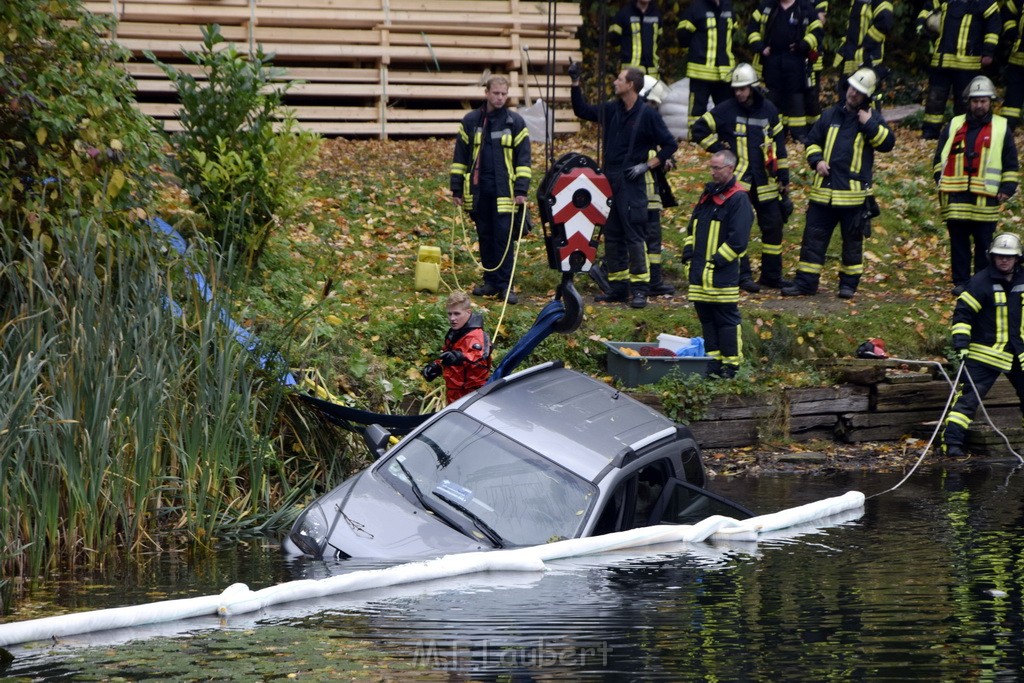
650	482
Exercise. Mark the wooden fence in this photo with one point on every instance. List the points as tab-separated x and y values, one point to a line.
367	67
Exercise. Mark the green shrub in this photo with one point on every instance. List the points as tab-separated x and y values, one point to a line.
240	154
71	143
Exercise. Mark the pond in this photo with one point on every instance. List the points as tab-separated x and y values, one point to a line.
926	584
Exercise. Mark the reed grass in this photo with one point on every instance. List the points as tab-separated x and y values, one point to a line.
127	410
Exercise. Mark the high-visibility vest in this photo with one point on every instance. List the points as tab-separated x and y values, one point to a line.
953	172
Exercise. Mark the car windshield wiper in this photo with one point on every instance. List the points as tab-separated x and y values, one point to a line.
485	528
426	503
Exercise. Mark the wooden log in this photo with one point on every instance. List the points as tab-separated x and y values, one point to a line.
841	399
926	395
808	427
725	433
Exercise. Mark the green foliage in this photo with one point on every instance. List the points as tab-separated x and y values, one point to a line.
71	143
240	154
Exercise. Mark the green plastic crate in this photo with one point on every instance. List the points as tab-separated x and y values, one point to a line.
633	371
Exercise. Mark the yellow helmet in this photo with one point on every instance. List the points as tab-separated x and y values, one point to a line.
864	81
980	86
743	75
1005	244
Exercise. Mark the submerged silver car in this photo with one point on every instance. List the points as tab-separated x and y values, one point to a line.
542	455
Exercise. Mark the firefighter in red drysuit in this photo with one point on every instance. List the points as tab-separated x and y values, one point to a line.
465	359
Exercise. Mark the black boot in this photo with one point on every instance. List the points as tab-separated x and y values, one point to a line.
639	298
658	286
600	277
618	293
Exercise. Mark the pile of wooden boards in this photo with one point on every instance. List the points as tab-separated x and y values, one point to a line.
367	67
873	400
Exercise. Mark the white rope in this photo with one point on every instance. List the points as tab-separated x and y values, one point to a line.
239	599
953	385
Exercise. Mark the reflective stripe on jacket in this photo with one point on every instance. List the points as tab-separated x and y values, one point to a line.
706	29
514	173
718	234
757	138
987	318
849	148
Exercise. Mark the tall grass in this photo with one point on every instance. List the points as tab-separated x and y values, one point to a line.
126	408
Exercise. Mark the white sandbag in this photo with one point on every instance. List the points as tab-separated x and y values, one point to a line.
675	107
539	121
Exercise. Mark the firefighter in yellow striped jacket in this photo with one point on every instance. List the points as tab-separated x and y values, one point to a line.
976	169
1013	33
841	149
987	336
966	42
716	239
864	42
636	31
705	32
490	177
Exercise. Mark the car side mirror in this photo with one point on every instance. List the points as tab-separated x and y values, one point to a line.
377	439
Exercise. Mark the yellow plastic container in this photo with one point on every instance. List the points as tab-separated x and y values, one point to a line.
428	269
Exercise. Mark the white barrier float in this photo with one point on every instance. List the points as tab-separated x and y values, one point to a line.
239	599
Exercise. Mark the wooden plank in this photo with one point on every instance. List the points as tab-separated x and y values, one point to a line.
841	399
740	407
725	433
896	397
809	427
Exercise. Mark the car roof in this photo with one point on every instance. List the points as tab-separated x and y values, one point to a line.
575	420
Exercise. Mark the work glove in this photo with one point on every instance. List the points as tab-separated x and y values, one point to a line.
452	358
431	371
718	261
961	354
687	254
637	171
575	70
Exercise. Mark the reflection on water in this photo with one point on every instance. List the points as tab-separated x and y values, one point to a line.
925	584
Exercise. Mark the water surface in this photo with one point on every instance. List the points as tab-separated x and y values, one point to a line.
925	584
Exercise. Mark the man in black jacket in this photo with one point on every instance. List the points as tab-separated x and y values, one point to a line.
748	124
636	30
841	150
718	234
706	32
630	131
490	176
987	336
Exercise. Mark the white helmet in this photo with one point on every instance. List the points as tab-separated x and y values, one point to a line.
864	81
933	23
1005	244
980	86
654	91
743	75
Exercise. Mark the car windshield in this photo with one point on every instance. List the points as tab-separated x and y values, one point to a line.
505	493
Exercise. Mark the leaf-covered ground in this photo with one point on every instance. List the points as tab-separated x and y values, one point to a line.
338	291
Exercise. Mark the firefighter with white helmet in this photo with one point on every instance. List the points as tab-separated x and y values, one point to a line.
986	335
965	43
749	125
840	149
976	170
